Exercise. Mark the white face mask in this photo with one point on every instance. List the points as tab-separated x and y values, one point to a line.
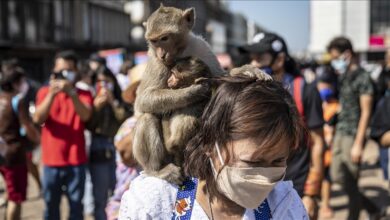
340	64
247	187
69	75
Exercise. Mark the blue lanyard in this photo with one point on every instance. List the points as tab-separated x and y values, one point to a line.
186	197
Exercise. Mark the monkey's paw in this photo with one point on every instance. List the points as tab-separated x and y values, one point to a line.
172	174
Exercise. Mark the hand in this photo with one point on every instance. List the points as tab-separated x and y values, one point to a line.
54	87
356	152
66	86
100	101
311	206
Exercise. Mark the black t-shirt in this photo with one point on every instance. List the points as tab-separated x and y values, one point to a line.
299	162
312	104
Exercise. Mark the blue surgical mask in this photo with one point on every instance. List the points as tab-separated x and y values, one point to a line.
340	65
326	94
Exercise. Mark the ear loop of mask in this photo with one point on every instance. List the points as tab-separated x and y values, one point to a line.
220	159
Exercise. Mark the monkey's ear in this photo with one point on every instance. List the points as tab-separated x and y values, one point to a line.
161	5
189	17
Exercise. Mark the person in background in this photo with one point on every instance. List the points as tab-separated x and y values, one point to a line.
380	124
327	86
108	113
269	52
62	110
127	168
384	78
235	164
356	100
32	87
123	76
95	62
16	132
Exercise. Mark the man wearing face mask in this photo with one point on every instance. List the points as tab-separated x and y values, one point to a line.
269	52
356	98
62	111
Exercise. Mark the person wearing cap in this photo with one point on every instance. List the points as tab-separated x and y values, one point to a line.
269	52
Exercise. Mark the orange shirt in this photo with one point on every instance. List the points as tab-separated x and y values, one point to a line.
62	137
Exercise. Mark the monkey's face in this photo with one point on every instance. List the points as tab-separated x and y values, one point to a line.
173	82
167	31
166	48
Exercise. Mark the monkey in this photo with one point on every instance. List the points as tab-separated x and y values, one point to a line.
188	71
169	37
182	124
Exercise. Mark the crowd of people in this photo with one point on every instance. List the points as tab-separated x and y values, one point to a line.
315	130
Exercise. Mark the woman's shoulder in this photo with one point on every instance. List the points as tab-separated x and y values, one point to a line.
148	198
285	202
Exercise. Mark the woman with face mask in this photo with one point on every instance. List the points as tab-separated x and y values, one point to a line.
236	163
108	114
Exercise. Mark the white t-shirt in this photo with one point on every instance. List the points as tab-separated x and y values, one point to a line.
153	198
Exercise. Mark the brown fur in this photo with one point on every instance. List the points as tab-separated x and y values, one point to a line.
168	32
183	124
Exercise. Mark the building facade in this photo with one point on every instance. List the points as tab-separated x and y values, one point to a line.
365	22
34	30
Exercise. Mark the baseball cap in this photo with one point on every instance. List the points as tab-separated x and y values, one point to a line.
265	43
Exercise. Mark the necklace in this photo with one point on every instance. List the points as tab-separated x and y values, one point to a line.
208	199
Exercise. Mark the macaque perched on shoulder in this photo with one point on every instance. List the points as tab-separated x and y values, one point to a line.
181	125
169	36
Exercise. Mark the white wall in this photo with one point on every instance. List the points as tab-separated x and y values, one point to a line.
325	23
357	20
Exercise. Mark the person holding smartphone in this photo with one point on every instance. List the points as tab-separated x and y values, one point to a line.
62	110
108	113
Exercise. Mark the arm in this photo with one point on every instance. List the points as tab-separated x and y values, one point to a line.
317	137
365	106
43	106
164	100
25	121
125	149
385	139
82	110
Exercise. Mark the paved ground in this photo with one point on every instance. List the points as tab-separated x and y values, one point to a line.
371	183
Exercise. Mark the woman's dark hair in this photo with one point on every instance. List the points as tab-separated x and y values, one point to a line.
107	73
242	108
11	77
341	44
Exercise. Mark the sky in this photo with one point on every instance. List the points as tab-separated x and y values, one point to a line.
289	19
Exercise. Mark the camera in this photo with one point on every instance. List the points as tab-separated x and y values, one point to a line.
65	74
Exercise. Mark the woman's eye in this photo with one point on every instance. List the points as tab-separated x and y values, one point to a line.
251	162
278	161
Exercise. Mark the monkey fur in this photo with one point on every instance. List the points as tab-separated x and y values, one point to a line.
182	124
169	36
